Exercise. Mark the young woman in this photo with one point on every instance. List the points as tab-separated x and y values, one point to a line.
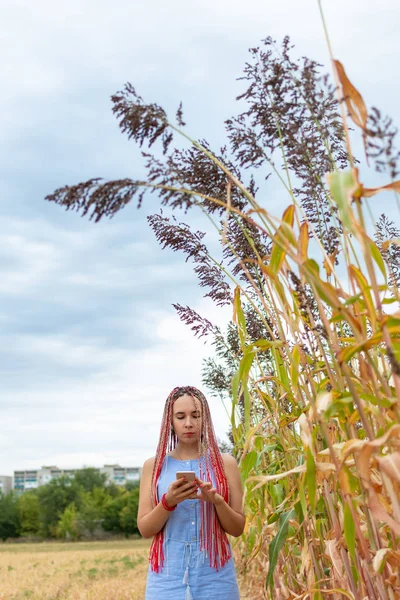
190	557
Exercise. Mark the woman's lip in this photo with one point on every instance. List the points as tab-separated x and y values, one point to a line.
189	433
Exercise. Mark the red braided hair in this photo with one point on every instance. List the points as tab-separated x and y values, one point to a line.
213	538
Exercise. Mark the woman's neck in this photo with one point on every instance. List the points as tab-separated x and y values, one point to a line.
186	452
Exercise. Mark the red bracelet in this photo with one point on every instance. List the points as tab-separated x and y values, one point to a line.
165	504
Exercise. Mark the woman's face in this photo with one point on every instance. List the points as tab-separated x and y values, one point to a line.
187	419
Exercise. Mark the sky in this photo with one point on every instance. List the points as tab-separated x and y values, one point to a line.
90	345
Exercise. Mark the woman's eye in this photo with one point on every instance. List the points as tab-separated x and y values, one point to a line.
193	416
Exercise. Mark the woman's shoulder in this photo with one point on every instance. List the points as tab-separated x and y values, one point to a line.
149	463
229	461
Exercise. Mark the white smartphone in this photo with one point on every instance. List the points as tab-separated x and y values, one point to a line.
190	475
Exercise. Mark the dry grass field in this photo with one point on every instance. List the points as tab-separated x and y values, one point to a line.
112	570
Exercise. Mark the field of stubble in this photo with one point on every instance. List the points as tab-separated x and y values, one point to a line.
112	570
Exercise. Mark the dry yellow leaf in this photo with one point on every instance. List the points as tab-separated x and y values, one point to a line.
381	514
332	550
368	192
390	464
354	101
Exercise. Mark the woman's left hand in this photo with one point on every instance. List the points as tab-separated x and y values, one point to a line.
208	493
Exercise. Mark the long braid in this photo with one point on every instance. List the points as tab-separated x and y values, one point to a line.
213	539
166	435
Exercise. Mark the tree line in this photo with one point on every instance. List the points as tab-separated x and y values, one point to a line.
71	508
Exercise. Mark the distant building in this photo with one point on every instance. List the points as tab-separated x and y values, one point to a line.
32	479
5	484
25	480
121	475
46	474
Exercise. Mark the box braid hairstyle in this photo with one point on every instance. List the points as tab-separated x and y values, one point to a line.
213	539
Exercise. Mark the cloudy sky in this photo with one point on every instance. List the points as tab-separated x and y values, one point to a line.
90	344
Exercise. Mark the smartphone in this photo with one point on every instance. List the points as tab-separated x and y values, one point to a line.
190	475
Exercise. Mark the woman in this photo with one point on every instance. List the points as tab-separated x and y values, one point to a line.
190	557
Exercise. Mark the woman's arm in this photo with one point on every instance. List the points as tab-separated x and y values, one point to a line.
230	515
152	519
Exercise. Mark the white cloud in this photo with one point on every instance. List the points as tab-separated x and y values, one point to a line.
115	411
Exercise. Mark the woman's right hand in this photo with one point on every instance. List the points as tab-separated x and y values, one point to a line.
180	490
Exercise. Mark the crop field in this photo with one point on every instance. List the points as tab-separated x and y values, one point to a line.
112	570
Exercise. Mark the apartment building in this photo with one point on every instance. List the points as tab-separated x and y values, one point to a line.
5	484
121	475
32	479
25	480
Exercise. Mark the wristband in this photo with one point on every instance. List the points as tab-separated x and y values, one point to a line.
165	504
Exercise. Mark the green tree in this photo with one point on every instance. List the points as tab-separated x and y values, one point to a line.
90	478
9	518
67	527
114	490
132	485
91	509
112	512
28	510
54	498
128	515
120	514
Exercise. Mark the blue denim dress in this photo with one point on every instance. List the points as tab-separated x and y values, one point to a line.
187	574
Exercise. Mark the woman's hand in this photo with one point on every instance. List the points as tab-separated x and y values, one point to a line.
181	489
208	493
